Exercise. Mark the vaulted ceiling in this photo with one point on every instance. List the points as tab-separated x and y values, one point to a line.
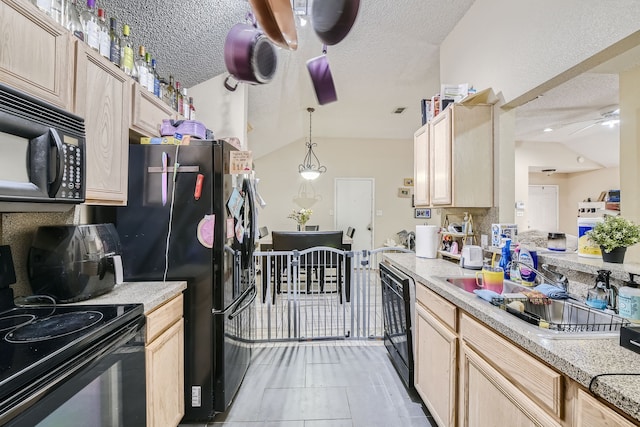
390	59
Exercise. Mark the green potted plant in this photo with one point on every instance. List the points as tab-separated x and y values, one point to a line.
301	217
614	235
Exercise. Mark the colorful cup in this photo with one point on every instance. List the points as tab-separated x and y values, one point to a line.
492	278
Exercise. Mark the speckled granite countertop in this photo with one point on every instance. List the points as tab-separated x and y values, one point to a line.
579	358
571	261
150	294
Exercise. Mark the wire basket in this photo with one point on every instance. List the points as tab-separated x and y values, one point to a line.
561	315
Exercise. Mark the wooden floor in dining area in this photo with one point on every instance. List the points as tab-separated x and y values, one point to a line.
323	384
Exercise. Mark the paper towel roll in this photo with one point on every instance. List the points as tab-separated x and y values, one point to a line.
427	241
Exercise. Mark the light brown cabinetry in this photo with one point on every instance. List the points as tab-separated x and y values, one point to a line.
103	98
436	347
164	354
502	385
36	54
590	412
421	167
148	111
461	156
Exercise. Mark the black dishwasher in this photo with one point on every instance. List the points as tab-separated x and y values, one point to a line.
398	298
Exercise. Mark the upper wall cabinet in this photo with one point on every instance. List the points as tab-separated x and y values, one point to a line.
103	98
36	54
148	111
461	156
421	166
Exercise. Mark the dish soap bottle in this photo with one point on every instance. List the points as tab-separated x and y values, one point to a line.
629	300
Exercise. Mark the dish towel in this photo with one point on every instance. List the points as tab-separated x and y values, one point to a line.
551	291
487	294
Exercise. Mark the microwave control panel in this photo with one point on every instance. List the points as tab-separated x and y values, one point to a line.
72	185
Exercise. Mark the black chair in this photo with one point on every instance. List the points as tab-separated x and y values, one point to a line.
311	227
297	240
350	232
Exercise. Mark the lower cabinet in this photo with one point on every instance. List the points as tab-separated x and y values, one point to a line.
164	352
435	370
590	412
490	399
470	376
436	354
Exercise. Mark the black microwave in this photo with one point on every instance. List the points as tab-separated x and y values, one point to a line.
42	155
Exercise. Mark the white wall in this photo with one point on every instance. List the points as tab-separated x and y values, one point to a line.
222	111
387	161
577	187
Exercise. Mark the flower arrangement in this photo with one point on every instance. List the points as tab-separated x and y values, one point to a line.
301	216
614	232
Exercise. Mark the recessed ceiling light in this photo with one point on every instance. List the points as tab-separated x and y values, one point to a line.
547	130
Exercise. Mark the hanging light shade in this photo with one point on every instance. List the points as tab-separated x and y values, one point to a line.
310	167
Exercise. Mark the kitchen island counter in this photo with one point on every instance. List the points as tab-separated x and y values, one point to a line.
580	359
150	294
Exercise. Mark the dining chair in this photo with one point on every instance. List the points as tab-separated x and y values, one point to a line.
311	227
287	241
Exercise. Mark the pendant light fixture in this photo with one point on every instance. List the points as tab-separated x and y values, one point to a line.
310	167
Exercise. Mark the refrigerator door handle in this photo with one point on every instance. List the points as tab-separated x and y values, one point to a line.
237	311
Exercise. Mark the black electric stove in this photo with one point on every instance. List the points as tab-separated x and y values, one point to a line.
39	342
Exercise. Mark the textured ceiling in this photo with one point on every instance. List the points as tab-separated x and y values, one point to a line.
389	59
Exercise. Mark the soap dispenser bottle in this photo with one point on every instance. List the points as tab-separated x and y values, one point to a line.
629	300
598	296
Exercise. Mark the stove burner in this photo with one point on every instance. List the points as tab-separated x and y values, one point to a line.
54	326
12	322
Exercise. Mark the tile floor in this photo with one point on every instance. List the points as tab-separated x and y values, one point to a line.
323	384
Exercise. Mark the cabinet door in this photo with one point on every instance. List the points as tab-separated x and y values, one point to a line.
472	155
440	174
421	166
103	98
165	377
36	54
435	367
489	399
148	111
591	413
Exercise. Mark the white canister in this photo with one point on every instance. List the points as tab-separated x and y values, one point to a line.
629	303
586	248
427	241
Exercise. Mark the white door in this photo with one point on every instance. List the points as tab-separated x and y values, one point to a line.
543	208
354	208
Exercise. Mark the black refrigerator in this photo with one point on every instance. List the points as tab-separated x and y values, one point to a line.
197	223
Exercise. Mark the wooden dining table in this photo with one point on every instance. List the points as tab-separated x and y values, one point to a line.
266	244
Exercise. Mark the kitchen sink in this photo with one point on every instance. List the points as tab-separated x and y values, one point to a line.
468	283
555	319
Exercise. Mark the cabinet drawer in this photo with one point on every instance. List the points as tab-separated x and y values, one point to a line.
437	305
536	379
163	317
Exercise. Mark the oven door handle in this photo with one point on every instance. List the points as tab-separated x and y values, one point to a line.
69	368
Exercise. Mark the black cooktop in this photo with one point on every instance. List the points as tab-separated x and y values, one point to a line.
35	340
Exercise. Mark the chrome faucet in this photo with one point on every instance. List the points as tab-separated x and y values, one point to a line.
559	279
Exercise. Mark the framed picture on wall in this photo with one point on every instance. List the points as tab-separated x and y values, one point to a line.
404	192
422	213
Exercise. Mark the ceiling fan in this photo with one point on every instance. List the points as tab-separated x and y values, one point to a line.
609	116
